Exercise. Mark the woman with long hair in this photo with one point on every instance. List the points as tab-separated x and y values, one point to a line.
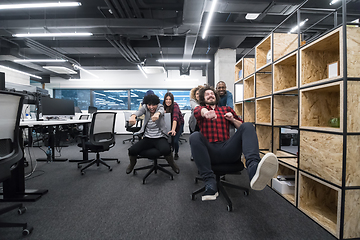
177	124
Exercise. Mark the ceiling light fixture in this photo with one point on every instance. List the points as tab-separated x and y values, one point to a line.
86	80
76	67
208	20
25	73
333	2
39	60
296	27
60	69
74	34
142	70
39	5
252	16
183	60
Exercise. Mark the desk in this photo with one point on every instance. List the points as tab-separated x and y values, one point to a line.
14	188
51	124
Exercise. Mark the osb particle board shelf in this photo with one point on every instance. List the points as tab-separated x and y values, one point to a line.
249	111
286	170
320	201
238	68
261	51
263	110
316	56
284	43
285	110
249	66
285	157
239	109
263	84
285	73
249	87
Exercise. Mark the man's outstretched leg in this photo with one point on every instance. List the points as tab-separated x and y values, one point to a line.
260	171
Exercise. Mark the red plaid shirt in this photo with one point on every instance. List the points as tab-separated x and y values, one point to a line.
215	130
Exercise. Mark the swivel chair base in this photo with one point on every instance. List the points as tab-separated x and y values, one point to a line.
220	184
97	161
154	168
21	209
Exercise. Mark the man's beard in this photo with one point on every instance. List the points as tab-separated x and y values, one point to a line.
211	102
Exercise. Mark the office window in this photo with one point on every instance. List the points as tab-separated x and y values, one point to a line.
81	98
182	98
137	95
110	99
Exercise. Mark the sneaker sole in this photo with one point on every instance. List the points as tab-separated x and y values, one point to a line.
209	197
266	170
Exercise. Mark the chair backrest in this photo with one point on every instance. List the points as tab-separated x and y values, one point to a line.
78	110
10	152
137	125
84	117
102	129
167	118
92	109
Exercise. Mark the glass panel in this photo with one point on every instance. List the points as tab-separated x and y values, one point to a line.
81	98
137	96
182	98
110	99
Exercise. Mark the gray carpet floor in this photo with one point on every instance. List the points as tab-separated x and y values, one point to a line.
115	205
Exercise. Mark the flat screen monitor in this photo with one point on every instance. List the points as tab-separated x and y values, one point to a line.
57	107
92	109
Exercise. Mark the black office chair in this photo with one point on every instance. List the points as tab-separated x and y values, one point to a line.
84	117
220	170
133	129
155	166
10	150
182	139
101	139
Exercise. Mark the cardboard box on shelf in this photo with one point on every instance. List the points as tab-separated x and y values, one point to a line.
284	187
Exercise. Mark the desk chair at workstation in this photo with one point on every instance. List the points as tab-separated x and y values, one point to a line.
10	150
133	129
101	139
149	153
220	170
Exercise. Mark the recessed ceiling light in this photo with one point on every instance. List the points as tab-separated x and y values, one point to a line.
75	34
252	16
39	60
40	5
154	69
60	69
183	60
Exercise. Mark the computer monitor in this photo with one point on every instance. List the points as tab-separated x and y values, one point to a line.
92	109
52	107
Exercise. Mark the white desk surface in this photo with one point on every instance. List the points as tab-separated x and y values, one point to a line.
31	123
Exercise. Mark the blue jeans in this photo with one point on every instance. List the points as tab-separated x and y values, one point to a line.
175	140
243	141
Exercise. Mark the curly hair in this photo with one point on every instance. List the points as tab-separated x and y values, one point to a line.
194	90
202	94
151	99
169	109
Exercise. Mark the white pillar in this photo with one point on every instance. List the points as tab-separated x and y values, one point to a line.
224	67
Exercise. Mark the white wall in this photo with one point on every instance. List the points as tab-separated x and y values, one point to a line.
15	77
121	79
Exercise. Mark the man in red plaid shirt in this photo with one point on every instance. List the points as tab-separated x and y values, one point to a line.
213	144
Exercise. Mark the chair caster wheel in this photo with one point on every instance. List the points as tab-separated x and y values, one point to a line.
118	161
27	231
134	172
79	166
172	177
22	210
192	197
82	172
229	208
110	169
196	180
246	193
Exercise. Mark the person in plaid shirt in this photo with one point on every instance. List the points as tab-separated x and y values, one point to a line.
213	144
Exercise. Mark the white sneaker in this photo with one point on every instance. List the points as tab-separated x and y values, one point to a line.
266	170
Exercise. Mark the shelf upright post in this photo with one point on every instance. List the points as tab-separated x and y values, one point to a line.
344	123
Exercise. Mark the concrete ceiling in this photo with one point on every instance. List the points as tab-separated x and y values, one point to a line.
131	32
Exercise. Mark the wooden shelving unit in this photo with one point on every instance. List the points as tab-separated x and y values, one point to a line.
296	90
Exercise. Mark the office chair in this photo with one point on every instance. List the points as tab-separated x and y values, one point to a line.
10	150
101	139
182	139
220	170
155	166
78	110
84	117
133	129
